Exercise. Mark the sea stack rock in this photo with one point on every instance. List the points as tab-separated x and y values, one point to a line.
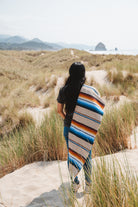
100	47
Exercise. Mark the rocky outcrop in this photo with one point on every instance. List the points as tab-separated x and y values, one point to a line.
100	47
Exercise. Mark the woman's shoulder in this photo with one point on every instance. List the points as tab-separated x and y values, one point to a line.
62	89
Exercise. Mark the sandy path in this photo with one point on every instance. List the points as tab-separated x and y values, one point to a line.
99	76
40	184
72	52
32	184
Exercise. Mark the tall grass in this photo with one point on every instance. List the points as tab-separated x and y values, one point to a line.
21	69
114	184
117	124
125	84
28	144
120	62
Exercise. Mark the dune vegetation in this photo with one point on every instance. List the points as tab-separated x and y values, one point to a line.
28	143
114	184
24	75
32	79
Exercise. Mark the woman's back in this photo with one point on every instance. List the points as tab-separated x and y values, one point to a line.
69	93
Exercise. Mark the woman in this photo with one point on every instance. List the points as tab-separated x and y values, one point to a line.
67	98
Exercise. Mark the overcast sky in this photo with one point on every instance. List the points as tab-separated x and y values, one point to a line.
114	22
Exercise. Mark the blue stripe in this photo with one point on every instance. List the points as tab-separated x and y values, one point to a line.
76	159
91	102
75	162
89	106
89	134
82	135
78	145
87	117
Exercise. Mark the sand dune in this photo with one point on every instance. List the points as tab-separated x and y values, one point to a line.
45	183
37	113
48	183
99	76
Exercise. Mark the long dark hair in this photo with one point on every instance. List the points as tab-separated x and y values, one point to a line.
73	84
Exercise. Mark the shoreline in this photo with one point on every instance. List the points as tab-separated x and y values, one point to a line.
114	52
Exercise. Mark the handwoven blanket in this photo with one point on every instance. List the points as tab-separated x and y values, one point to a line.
86	120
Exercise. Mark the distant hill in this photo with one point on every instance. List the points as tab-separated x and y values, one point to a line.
29	45
4	46
33	45
37	40
15	39
8	42
20	43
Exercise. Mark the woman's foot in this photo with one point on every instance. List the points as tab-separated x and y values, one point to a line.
75	187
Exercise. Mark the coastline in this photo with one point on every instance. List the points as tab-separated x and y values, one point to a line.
114	52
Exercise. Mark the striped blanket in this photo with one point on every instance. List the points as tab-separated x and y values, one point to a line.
86	120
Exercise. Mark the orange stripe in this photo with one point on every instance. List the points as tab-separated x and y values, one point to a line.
77	156
90	98
84	127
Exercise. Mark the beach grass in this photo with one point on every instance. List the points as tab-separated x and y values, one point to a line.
22	70
113	184
28	143
126	84
116	127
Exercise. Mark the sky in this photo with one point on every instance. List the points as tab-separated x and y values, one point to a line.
113	22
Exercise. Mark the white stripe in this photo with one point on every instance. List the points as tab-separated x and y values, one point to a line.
91	93
89	113
78	150
80	141
86	121
73	170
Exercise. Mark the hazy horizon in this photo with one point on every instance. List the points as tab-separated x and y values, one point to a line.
76	21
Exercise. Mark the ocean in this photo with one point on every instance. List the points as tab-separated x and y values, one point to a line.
114	52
